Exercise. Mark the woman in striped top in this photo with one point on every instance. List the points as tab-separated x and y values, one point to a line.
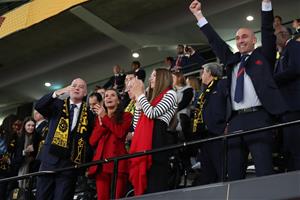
151	119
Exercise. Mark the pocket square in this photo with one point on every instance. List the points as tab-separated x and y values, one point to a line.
258	62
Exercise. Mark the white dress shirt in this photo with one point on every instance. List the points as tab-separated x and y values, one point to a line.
76	111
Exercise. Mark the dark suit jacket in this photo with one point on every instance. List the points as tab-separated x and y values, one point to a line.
214	108
197	59
108	140
119	80
297	34
287	74
41	126
183	62
194	62
259	66
51	108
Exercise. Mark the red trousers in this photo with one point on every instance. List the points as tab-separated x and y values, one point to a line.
103	183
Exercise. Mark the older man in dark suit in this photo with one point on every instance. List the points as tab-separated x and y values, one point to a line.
254	94
287	76
66	144
210	120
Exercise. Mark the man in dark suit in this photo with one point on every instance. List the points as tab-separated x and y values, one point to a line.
138	71
254	94
213	104
195	60
117	81
287	76
66	144
41	127
296	26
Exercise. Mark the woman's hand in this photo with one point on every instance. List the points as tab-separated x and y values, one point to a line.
137	88
100	111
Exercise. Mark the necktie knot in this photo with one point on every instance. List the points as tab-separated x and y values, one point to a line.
73	106
244	57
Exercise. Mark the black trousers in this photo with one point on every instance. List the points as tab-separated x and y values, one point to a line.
60	186
158	175
291	141
259	144
212	161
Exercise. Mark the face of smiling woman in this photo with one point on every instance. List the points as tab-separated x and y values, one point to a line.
29	127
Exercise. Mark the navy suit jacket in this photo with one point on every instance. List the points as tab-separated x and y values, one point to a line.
215	108
287	74
51	108
196	59
119	80
259	66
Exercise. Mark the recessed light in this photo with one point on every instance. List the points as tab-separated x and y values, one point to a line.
47	84
250	18
135	54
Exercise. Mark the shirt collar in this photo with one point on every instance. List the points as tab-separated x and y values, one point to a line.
249	54
77	104
39	122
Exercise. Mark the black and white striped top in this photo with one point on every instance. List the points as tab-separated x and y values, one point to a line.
164	110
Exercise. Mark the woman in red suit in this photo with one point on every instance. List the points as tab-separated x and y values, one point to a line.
108	140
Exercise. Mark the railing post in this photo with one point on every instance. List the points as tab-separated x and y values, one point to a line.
30	184
224	164
114	180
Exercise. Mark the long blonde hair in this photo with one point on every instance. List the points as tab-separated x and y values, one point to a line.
163	80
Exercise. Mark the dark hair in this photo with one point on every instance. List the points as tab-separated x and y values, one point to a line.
277	16
27	119
135	62
97	95
298	20
98	87
130	72
180	45
6	130
118	114
8	122
170	58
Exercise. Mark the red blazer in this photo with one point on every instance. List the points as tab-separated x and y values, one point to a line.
109	141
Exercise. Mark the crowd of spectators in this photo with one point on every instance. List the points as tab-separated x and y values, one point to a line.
255	87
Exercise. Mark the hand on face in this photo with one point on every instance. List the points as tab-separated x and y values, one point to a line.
65	90
137	87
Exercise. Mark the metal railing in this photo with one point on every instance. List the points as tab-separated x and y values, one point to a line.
115	160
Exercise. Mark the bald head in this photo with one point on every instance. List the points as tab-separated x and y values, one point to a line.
78	90
245	40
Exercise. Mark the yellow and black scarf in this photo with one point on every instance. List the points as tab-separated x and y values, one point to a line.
130	107
198	115
64	144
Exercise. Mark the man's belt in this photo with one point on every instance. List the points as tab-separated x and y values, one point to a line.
248	110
